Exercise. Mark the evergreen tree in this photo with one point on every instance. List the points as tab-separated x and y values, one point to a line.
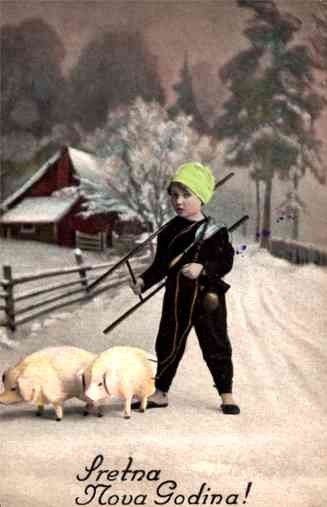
32	81
319	37
113	69
186	101
268	121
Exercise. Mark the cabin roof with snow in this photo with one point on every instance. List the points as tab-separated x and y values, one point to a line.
85	165
39	210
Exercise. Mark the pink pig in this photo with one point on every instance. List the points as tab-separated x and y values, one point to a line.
121	372
48	376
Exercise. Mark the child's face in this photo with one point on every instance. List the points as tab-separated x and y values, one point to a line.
185	203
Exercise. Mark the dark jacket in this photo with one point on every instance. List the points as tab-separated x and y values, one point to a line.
216	255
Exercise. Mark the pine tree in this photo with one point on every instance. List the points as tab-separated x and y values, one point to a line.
113	69
318	38
268	121
186	101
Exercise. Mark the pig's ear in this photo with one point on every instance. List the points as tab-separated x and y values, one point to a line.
105	382
29	389
81	376
8	377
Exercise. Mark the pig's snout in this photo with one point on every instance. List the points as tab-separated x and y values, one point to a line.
94	394
89	395
8	397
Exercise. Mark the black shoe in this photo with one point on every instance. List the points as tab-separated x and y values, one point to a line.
151	404
230	409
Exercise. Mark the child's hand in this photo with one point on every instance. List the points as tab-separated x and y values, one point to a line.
137	287
192	270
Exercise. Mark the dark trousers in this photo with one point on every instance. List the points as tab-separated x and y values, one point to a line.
181	311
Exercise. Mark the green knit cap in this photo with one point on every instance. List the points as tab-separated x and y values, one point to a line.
198	178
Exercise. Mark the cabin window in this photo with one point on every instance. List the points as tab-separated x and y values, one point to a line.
27	229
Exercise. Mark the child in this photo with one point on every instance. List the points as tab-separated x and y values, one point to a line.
195	293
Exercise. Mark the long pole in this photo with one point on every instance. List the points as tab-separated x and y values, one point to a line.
141	245
146	298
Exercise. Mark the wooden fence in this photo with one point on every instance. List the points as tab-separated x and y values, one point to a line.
297	252
45	299
95	242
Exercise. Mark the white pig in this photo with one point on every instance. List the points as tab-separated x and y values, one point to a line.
48	376
121	372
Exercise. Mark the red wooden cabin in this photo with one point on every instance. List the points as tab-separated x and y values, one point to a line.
47	206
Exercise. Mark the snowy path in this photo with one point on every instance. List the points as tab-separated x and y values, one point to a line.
277	323
281	318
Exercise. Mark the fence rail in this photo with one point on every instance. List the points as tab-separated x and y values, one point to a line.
95	242
54	296
297	252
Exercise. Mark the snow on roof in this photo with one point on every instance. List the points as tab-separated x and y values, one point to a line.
39	210
86	166
36	176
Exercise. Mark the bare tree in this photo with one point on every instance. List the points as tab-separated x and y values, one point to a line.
141	148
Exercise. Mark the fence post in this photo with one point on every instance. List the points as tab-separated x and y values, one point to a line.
9	297
82	270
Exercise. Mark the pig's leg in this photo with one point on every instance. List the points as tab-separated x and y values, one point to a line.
88	409
92	408
98	411
144	403
40	410
58	410
127	407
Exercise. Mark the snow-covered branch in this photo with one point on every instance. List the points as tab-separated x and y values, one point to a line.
141	148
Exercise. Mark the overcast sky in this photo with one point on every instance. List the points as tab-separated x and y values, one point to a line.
210	31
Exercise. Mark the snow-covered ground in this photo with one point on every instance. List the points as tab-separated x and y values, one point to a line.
277	324
32	257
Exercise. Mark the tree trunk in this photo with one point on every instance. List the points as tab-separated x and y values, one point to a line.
266	221
295	225
257	227
245	229
2	183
